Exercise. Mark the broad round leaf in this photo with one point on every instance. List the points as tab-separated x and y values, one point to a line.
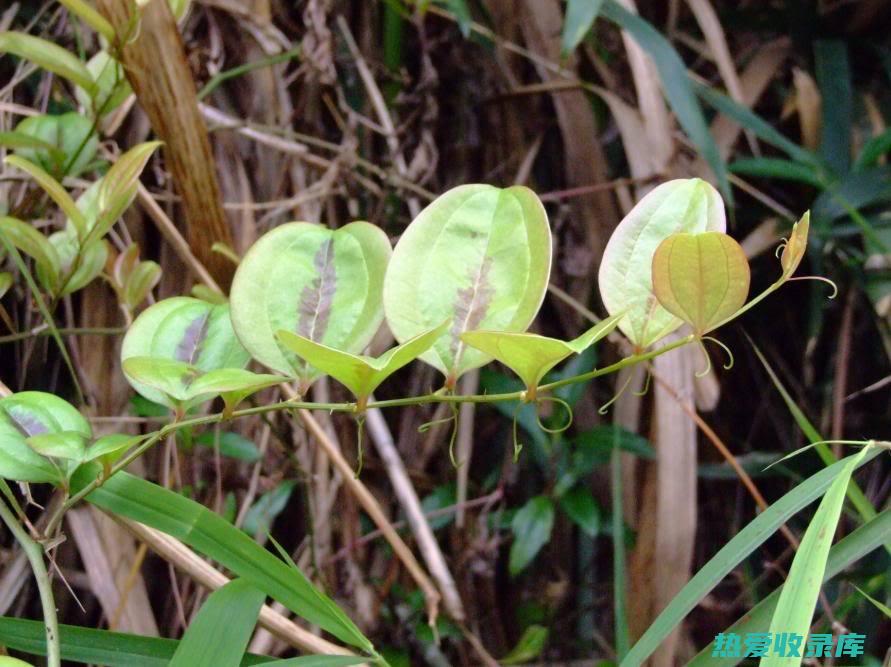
35	414
319	283
478	257
701	278
70	133
625	278
185	330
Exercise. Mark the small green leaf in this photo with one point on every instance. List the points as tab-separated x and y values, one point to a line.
262	513
28	415
359	373
109	448
5	282
580	506
219	634
49	56
625	279
796	247
701	278
86	13
34	244
878	605
529	647
531	356
112	87
479	257
71	136
531	526
580	16
54	189
78	265
60	445
232	445
799	595
319	283
186	330
142	280
786	170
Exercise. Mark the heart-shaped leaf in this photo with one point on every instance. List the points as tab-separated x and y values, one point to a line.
701	278
319	283
35	417
72	137
478	257
625	279
185	330
185	385
531	356
359	373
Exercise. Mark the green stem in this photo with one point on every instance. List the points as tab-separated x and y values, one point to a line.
34	553
72	331
220	78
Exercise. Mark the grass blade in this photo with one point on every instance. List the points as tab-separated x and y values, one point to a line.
732	553
834	80
210	534
799	596
848	551
580	16
220	632
677	85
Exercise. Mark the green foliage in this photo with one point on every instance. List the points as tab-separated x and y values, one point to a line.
625	280
322	284
531	526
478	257
49	56
529	646
66	143
580	16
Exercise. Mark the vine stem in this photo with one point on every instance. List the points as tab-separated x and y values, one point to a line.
34	553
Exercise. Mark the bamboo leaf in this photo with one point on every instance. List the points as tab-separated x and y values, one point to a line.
359	373
580	16
798	598
731	554
220	631
701	278
34	244
625	278
478	257
322	284
786	170
54	189
531	356
213	536
49	56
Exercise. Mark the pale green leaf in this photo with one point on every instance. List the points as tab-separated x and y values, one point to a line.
54	189
185	330
59	445
531	525
796	246
795	608
580	506
701	278
319	283
529	646
78	266
478	257
625	278
88	14
29	414
109	448
531	356
142	280
112	87
5	282
580	16
359	373
72	137
49	56
882	607
20	140
218	635
34	244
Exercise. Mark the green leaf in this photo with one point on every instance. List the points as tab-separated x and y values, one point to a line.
580	506
61	445
677	85
359	373
86	13
6	282
531	356
848	551
34	244
732	553
799	596
211	535
97	647
232	445
701	278
785	170
322	284
109	448
885	609
72	137
78	265
833	74
112	87
142	280
49	56
184	330
580	16
531	526
262	513
220	632
318	661
872	150
625	278
529	646
479	257
6	661
20	140
54	189
34	414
